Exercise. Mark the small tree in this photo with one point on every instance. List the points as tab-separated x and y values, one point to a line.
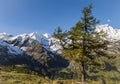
81	43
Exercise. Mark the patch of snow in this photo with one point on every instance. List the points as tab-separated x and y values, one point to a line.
11	49
47	35
41	38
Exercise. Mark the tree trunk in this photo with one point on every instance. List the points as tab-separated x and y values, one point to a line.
82	72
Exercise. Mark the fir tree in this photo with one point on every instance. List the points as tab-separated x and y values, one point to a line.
81	43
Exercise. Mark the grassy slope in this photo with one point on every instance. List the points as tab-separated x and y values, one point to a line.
14	77
11	75
21	78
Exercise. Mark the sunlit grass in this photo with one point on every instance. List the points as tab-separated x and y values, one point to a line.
22	78
17	77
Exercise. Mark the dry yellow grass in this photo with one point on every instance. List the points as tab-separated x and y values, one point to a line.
21	78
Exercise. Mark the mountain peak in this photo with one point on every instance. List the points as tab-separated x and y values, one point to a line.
47	35
112	33
4	33
34	34
37	36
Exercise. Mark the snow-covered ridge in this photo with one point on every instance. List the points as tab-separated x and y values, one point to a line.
11	49
46	39
43	39
112	33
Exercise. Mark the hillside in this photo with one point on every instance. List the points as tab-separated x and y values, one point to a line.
30	52
38	54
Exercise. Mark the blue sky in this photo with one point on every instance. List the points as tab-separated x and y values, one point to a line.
43	16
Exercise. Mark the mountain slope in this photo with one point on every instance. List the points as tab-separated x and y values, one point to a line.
25	49
10	48
112	33
39	51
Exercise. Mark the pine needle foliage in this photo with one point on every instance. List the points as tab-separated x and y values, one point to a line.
81	43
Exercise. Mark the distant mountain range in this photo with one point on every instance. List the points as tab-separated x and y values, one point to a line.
38	52
43	39
46	40
32	50
17	44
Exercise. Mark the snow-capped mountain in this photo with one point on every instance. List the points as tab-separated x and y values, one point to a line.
10	48
45	40
32	49
36	48
41	38
112	33
50	43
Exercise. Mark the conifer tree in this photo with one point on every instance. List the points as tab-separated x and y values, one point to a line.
81	43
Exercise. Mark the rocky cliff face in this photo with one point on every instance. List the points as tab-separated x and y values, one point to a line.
25	50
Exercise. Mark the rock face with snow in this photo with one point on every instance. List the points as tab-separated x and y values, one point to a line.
9	54
45	40
112	33
51	44
32	50
10	48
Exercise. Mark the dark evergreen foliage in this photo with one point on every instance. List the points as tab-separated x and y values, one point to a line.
81	43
